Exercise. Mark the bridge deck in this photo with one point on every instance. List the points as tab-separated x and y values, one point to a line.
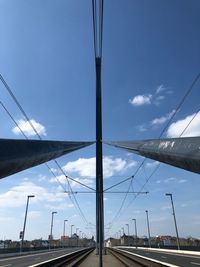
108	261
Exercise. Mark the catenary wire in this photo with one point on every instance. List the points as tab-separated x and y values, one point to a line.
28	120
189	90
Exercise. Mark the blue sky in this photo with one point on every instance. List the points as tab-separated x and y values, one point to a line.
150	58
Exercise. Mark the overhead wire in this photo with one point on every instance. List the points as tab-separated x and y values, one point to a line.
188	91
75	202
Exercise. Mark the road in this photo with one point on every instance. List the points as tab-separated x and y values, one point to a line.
168	257
28	260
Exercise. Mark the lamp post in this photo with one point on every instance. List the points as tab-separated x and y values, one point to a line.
128	234
64	231
135	232
71	228
123	230
64	227
173	210
148	228
120	233
23	232
77	236
51	235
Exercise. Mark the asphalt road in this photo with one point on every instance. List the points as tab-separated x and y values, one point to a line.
169	257
28	260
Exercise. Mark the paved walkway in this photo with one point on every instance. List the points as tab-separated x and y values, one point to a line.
108	261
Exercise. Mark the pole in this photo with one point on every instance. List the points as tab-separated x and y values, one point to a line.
23	233
64	227
99	167
123	230
71	229
51	236
135	232
64	232
148	228
128	234
176	228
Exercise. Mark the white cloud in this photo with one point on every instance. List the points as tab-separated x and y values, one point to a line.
182	181
163	119
86	167
17	195
158	100
160	89
176	128
183	205
160	94
160	97
27	129
171	180
142	128
61	206
166	207
63	180
140	100
152	164
34	214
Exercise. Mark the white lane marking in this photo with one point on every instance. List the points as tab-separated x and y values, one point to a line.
149	259
189	254
48	261
195	263
5	265
31	255
163	257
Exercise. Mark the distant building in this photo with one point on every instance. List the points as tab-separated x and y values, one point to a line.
111	242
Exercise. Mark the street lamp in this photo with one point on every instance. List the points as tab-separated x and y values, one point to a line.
80	234
77	236
64	228
148	228
117	235
120	233
135	232
128	234
173	210
51	235
64	232
71	228
123	230
23	232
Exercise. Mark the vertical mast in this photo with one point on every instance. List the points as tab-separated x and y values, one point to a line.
99	166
